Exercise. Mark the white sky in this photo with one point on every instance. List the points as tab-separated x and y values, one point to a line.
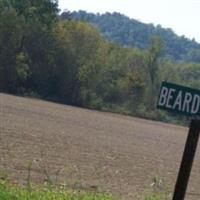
183	16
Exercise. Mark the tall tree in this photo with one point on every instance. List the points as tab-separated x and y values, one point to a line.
153	54
25	35
11	33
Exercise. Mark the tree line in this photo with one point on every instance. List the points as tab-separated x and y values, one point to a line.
130	32
55	57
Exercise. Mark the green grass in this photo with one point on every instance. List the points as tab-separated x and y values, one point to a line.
48	192
10	192
153	197
156	196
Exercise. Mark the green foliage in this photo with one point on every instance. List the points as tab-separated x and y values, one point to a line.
152	65
24	39
10	41
8	192
82	51
153	197
58	58
118	28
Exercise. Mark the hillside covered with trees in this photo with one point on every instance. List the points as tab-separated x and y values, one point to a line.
62	59
119	28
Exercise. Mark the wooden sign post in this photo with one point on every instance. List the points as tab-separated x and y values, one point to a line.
187	160
186	101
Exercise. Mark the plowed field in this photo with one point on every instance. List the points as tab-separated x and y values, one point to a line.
42	141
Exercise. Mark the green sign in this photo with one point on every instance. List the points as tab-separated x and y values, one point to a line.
179	99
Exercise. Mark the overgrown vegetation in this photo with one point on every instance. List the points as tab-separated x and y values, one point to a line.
8	192
58	58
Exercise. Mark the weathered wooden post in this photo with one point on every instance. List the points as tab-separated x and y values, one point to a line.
187	160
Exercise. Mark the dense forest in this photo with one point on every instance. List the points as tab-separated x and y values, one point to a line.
53	56
119	28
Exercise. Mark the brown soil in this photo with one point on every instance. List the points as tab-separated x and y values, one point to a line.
87	149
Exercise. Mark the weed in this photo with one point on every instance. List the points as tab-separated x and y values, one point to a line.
8	192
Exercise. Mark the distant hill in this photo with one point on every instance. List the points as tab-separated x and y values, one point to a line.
119	28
